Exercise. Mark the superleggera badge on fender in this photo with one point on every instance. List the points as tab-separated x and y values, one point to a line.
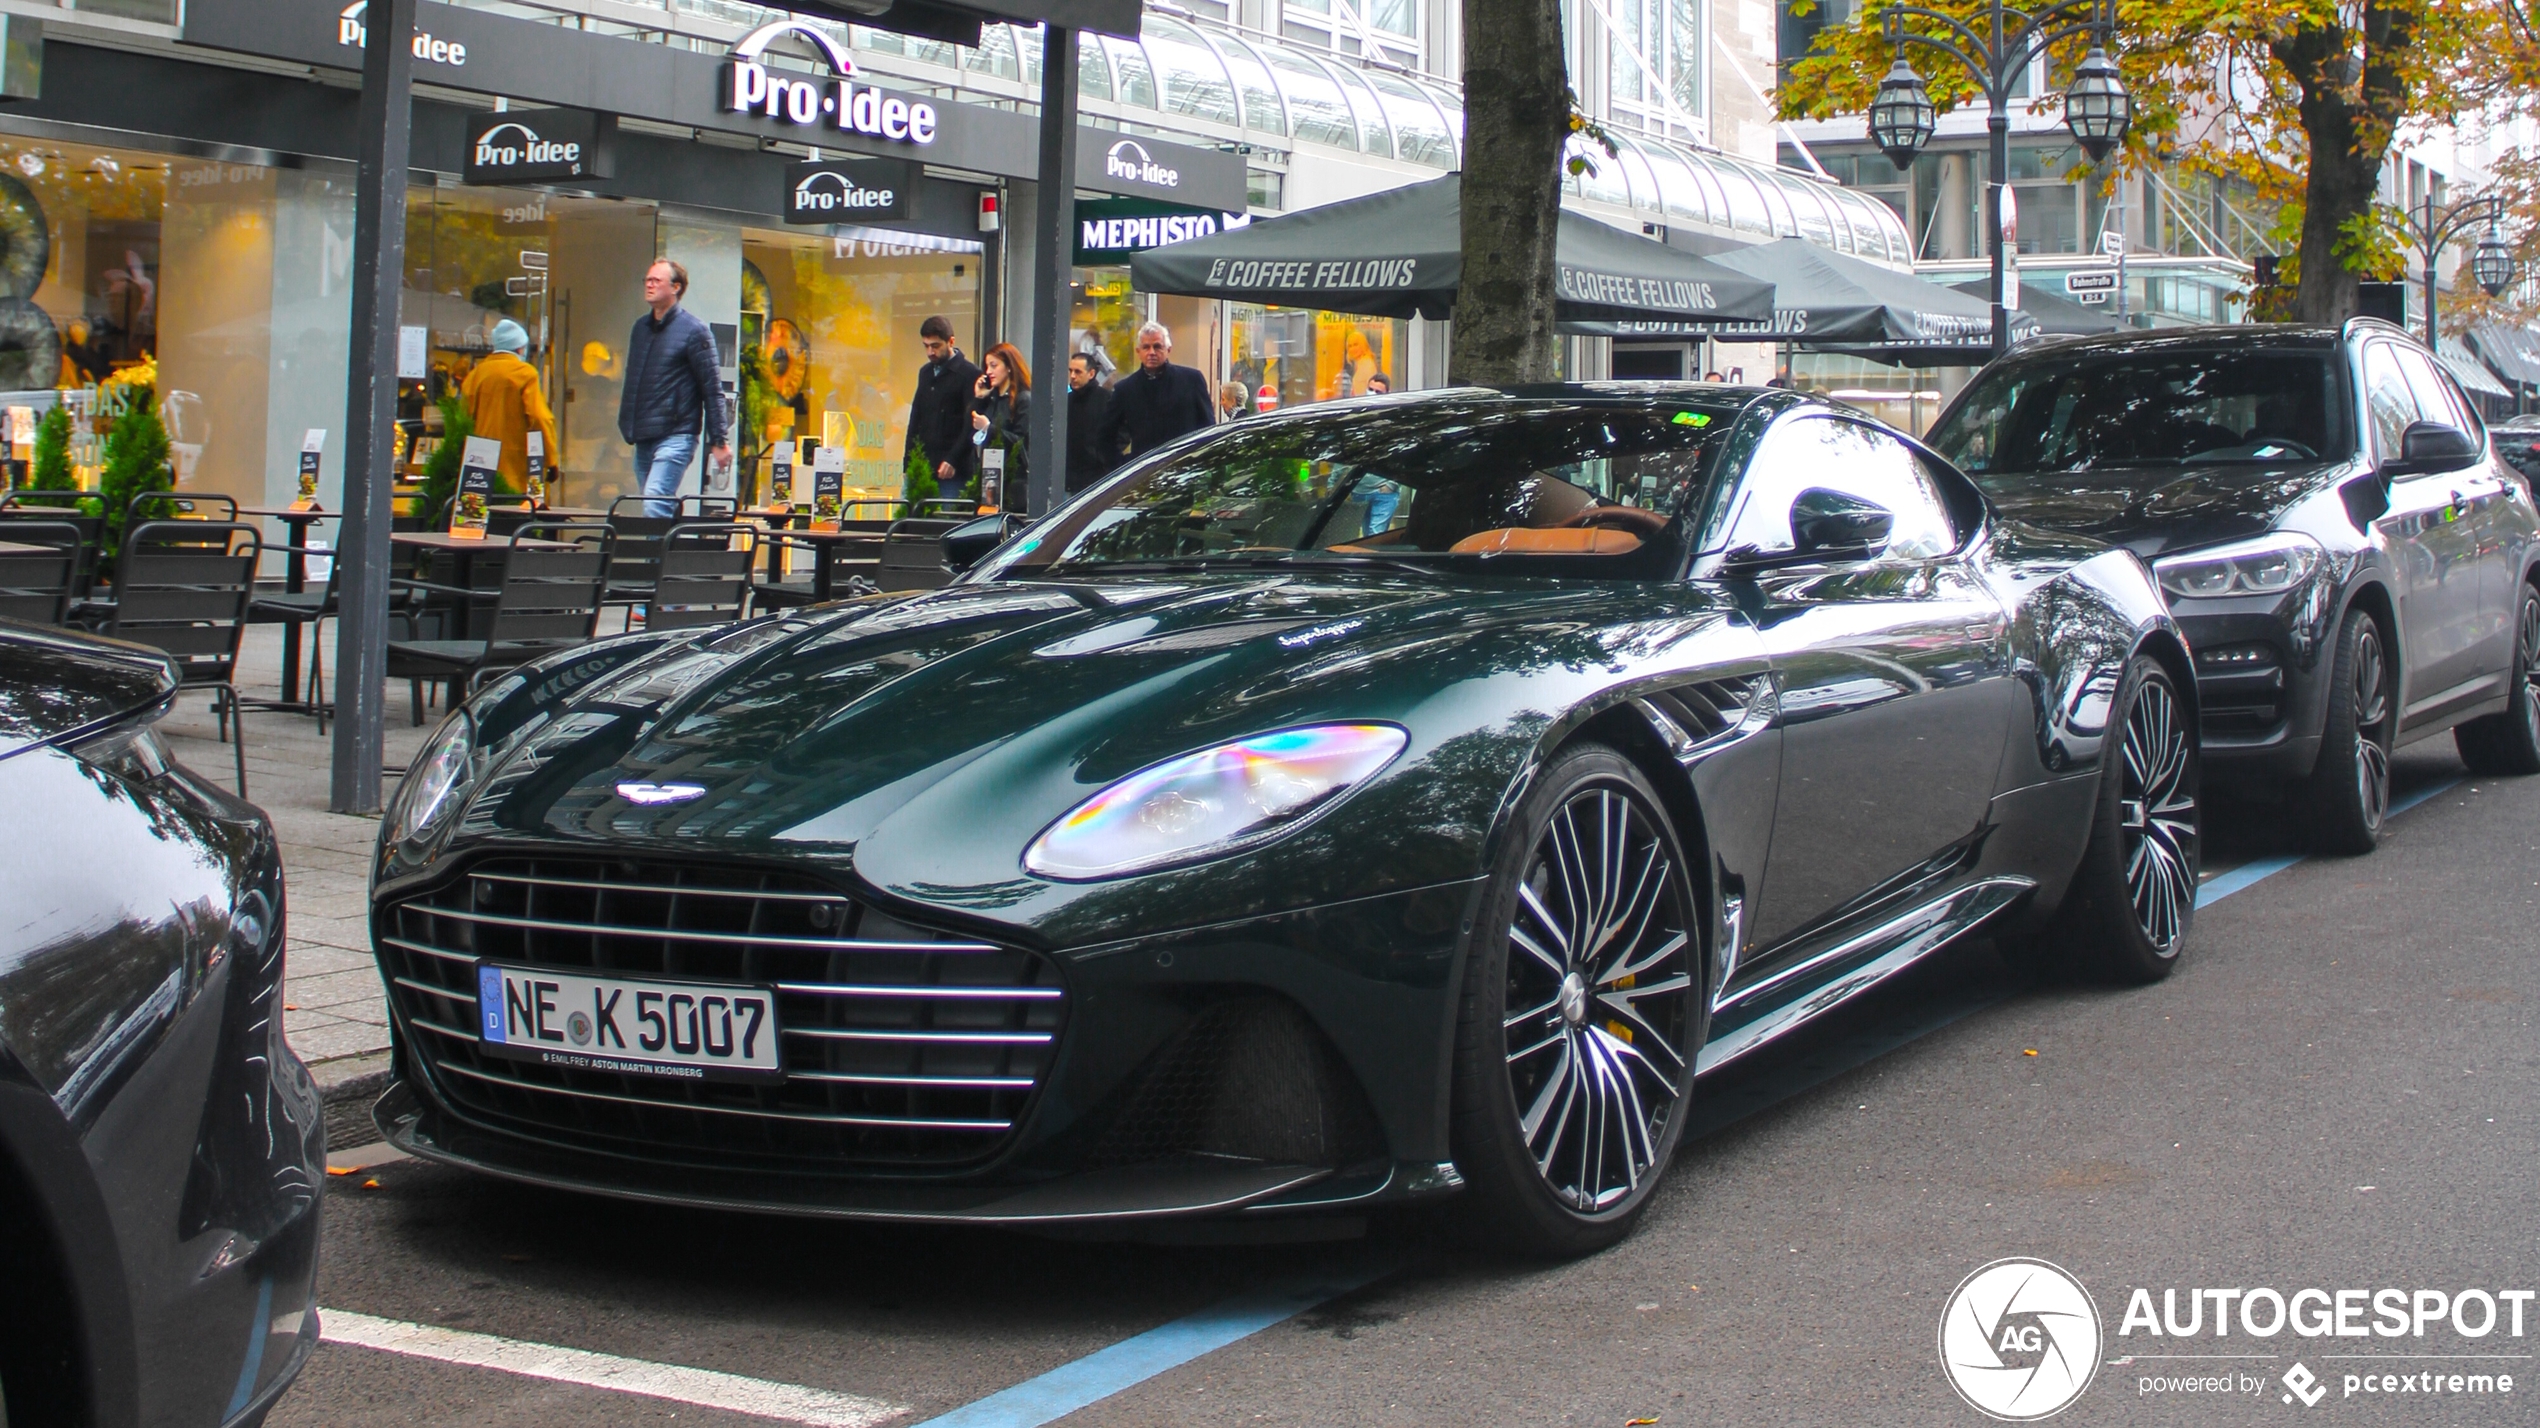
649	794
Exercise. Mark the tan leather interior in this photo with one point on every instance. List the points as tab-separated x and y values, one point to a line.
1567	540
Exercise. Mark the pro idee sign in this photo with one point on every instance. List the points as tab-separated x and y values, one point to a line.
848	190
839	103
527	145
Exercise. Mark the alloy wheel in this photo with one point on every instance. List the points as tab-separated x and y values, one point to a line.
2157	807
2372	732
1599	998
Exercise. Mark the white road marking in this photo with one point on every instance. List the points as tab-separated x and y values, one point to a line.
705	1388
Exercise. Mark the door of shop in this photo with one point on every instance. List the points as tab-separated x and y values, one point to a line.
597	252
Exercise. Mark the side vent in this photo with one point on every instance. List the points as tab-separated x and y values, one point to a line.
1694	717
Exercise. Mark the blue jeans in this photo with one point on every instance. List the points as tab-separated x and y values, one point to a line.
661	465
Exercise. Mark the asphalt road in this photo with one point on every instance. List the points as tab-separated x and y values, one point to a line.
2336	1091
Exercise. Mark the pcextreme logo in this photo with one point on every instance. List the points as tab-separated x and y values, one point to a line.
349	30
2019	1340
1130	160
838	103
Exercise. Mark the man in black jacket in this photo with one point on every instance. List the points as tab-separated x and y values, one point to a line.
1087	405
1157	402
939	415
671	389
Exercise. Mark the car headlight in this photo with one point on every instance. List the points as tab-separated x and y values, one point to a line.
1210	803
2268	565
434	784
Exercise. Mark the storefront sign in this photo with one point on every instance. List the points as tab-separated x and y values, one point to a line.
352	32
1110	229
757	90
837	103
539	145
848	190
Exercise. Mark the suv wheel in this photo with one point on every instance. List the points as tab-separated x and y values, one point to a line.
2349	790
2509	743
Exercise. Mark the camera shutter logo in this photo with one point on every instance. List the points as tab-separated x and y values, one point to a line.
2019	1340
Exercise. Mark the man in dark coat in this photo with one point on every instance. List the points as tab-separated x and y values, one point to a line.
939	415
672	388
1087	406
1157	402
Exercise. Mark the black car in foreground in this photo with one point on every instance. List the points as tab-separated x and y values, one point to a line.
1401	798
160	1147
2351	563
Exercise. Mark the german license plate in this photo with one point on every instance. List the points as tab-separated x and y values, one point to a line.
684	1030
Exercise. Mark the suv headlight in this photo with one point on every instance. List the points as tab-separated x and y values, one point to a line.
1211	803
2268	565
436	784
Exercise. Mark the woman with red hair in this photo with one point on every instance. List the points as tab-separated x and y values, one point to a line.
1000	412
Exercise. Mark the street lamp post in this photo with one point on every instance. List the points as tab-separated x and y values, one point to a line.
2491	263
2096	108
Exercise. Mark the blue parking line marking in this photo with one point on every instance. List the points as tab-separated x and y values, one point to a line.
1101	1374
2223	885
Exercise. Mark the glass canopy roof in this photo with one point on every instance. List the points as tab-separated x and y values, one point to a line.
1204	78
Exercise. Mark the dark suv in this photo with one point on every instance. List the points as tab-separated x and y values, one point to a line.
2336	535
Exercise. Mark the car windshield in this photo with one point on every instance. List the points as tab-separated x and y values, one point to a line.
1433	483
2169	408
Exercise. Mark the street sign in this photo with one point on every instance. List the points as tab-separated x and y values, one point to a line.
2111	242
2091	280
2090	299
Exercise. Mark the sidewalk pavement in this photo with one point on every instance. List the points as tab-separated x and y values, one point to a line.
334	1012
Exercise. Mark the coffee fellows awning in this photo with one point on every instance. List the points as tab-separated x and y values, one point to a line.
1396	254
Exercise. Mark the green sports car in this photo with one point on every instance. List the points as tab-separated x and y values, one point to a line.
1399	800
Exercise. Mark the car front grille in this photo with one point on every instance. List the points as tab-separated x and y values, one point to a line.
901	1047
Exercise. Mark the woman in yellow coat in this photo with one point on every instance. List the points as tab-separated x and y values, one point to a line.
503	403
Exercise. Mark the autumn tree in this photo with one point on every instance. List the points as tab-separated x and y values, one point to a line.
1516	122
2302	99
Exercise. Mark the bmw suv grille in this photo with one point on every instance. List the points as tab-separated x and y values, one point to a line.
901	1046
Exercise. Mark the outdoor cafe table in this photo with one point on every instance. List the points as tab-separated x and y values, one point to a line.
295	579
468	550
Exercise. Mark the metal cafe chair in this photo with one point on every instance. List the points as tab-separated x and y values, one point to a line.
704	577
184	587
36	585
85	511
913	553
635	560
548	598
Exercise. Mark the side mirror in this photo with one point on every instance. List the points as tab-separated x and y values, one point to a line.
967	544
1829	525
2429	448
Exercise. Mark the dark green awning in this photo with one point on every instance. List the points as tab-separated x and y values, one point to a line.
1397	254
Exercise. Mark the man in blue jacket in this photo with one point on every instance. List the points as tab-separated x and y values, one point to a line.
671	390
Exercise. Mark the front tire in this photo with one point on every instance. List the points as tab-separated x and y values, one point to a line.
2509	743
1584	1003
2127	913
2348	795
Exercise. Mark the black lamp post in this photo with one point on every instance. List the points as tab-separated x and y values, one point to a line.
2097	108
2491	263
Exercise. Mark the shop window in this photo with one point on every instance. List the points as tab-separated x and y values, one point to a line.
1306	355
830	350
1265	188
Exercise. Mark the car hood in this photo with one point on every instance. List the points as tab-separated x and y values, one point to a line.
55	685
927	740
2154	510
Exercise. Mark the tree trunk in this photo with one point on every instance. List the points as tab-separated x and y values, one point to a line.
2347	129
1516	115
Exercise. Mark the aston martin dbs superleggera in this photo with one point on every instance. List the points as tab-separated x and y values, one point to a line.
1400	799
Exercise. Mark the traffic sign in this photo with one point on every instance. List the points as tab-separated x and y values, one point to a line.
2090	280
2111	241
